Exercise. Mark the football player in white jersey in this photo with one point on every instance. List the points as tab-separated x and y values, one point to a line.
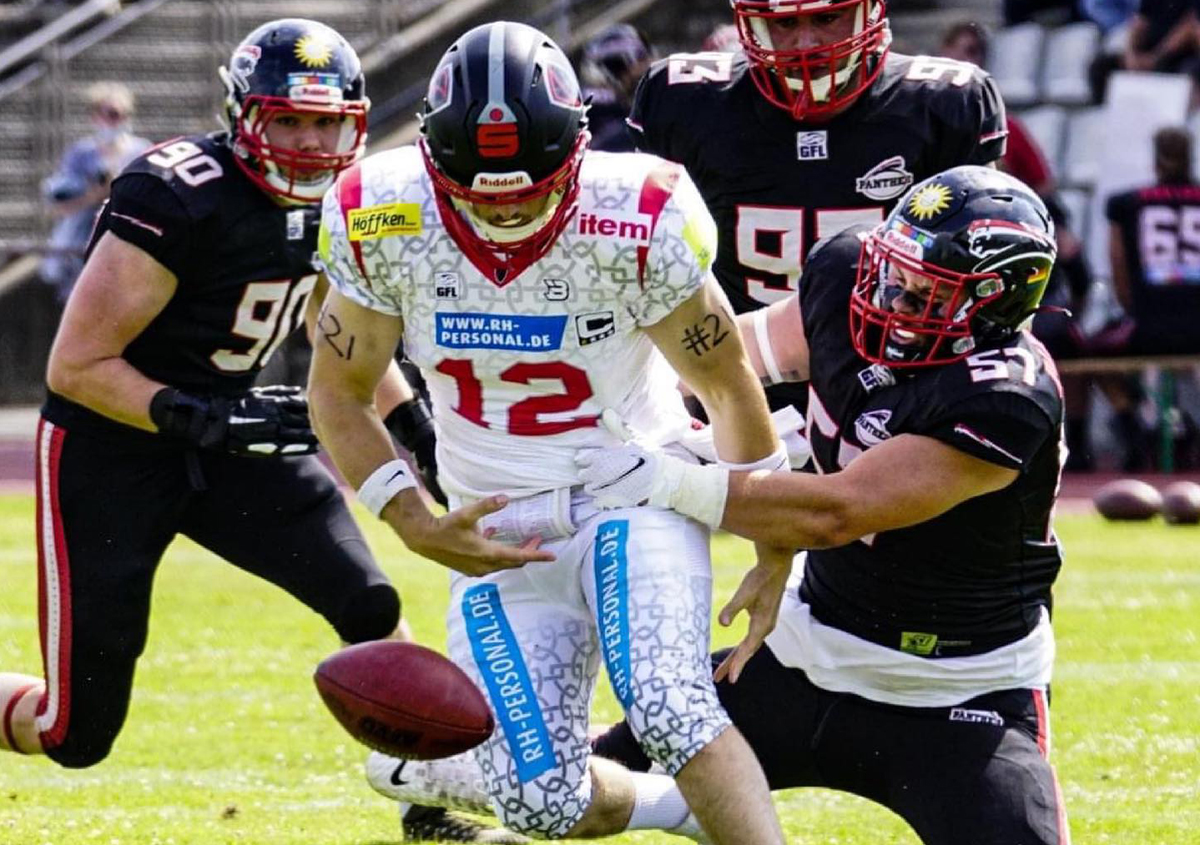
542	289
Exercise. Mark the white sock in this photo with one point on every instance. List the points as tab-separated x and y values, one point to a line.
658	803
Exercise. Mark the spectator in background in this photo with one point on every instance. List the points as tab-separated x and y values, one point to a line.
1109	14
613	62
1164	37
80	184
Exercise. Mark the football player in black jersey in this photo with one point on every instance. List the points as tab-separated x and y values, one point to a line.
912	658
813	126
199	268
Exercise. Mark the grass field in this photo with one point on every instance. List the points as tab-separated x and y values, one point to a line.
228	743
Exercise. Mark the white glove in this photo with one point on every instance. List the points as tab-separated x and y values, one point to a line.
631	475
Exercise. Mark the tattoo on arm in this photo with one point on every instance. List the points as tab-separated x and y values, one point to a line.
330	329
705	335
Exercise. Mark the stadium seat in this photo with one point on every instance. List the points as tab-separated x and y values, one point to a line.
1069	51
1084	147
1016	55
1047	125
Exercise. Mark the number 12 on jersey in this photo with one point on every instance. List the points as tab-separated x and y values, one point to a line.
771	239
524	416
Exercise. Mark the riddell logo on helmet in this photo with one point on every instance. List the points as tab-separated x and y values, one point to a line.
498	140
378	221
631	230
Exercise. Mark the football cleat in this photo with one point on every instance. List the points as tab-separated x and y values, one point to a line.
437	824
452	782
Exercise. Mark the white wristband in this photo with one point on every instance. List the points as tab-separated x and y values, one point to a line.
692	490
763	339
384	484
776	460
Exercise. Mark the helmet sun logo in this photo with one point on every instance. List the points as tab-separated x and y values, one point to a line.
313	52
929	201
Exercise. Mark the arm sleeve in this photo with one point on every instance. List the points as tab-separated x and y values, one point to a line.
1001	428
976	122
143	210
682	247
645	118
343	261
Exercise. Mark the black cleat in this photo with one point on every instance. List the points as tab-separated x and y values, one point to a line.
436	824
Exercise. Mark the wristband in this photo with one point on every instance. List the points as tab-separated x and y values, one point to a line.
693	490
384	484
763	339
776	460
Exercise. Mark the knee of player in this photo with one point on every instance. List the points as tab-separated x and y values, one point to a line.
547	807
673	719
371	614
81	754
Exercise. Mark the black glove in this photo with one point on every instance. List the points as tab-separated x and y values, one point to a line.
412	426
262	422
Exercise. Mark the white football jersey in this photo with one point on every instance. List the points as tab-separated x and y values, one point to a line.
520	370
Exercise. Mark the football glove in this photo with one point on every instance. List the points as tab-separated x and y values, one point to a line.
630	475
412	426
788	424
261	422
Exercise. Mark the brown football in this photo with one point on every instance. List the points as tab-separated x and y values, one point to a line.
404	700
1127	499
1181	503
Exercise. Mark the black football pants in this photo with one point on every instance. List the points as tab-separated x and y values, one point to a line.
108	508
975	774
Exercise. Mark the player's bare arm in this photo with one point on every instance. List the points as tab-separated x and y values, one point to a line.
905	480
701	341
120	291
775	341
352	354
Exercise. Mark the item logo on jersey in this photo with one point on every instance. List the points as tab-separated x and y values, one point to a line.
242	65
875	377
557	290
447	285
886	180
515	332
812	146
631	227
929	201
312	51
979	717
871	427
379	221
595	326
295	224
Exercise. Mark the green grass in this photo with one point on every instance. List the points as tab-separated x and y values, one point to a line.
227	742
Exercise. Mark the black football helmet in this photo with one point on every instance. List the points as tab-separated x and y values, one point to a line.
294	66
961	263
504	123
610	57
815	82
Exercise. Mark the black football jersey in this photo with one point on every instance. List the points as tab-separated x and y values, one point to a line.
243	264
775	186
978	576
1160	229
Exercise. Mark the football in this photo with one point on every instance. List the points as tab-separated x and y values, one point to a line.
1181	503
1127	499
404	700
